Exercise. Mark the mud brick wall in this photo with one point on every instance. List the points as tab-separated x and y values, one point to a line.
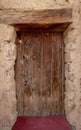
72	42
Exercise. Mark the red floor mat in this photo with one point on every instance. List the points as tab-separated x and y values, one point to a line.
42	123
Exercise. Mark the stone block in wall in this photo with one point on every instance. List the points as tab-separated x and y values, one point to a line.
7	33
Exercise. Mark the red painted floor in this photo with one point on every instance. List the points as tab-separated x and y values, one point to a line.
42	123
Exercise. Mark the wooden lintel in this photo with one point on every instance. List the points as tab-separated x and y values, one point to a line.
50	28
36	17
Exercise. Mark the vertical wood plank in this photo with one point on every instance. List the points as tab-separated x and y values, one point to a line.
59	73
19	78
53	74
28	68
46	74
56	73
36	74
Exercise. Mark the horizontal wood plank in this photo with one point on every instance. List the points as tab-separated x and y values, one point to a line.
37	18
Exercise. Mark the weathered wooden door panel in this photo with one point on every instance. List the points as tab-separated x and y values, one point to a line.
39	74
46	85
20	78
28	62
57	91
36	74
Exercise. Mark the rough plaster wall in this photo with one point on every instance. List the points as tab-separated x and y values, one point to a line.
7	83
73	67
32	4
72	42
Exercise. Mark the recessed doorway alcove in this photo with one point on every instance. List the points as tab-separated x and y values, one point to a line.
39	68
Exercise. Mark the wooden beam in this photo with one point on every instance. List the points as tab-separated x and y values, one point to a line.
36	17
45	28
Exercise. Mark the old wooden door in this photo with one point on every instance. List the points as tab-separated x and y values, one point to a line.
39	74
